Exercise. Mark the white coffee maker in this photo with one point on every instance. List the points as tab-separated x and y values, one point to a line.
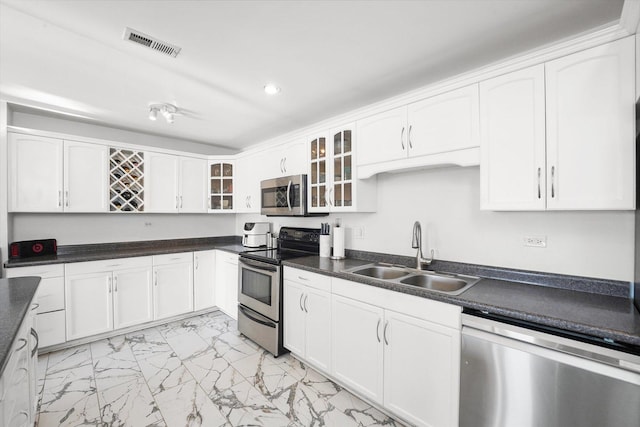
255	234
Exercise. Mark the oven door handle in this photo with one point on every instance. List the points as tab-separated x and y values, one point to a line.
255	318
259	265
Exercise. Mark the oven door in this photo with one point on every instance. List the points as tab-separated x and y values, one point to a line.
259	287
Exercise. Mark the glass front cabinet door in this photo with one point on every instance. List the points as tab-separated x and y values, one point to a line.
221	186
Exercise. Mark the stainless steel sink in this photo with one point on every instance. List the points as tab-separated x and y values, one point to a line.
381	272
452	284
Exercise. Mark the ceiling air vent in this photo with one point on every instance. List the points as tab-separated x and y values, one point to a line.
151	42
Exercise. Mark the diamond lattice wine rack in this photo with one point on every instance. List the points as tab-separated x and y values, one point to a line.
126	181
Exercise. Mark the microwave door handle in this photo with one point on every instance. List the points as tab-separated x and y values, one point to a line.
289	195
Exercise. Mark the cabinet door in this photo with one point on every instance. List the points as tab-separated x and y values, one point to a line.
341	186
36	173
173	289
227	283
89	307
193	185
356	331
445	122
591	128
86	177
317	193
250	170
132	297
51	328
421	370
161	184
292	159
294	317
382	137
204	270
221	183
317	305
512	154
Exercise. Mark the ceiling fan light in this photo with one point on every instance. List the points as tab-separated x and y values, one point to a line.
271	89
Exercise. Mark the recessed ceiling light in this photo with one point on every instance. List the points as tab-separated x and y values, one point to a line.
271	89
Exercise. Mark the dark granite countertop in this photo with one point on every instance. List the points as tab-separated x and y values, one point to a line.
611	317
102	251
15	301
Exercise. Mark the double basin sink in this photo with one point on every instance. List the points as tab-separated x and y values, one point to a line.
452	284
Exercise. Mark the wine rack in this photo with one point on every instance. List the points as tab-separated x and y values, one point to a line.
126	180
221	186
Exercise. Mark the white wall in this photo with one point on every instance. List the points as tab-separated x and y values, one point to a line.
52	124
446	202
70	229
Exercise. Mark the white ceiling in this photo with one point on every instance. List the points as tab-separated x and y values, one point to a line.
328	57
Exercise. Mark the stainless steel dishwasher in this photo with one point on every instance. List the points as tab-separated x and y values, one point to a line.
512	376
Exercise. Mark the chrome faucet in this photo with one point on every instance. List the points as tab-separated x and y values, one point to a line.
416	243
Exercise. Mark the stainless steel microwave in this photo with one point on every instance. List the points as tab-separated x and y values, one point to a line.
284	196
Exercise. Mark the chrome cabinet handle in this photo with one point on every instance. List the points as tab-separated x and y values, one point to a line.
378	330
301	309
180	202
59	198
66	198
177	202
284	164
109	284
306	297
196	257
539	193
115	283
24	343
384	333
409	136
553	173
303	278
402	137
35	306
155	278
281	167
35	347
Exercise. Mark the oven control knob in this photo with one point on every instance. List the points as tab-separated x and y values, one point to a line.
314	237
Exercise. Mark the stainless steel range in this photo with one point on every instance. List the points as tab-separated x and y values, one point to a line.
260	286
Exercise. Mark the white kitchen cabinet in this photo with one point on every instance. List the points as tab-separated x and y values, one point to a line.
226	288
221	184
307	314
356	330
204	277
193	185
36	173
333	184
173	284
512	155
86	177
89	305
50	320
250	171
175	184
52	175
412	346
101	296
590	101
443	123
132	297
287	159
560	136
421	370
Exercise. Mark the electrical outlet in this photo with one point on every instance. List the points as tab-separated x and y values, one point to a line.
358	232
536	242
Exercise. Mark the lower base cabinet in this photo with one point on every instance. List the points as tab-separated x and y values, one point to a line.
399	351
173	284
226	287
89	304
132	302
204	277
51	328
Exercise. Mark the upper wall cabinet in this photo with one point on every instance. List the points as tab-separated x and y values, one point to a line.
412	135
51	175
221	183
333	184
176	184
284	160
577	154
250	170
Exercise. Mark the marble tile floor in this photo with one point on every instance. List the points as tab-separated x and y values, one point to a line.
197	372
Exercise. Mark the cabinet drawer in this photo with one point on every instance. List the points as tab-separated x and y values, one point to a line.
176	258
227	257
51	328
44	271
313	280
50	295
107	265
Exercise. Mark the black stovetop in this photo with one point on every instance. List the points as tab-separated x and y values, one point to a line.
293	242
